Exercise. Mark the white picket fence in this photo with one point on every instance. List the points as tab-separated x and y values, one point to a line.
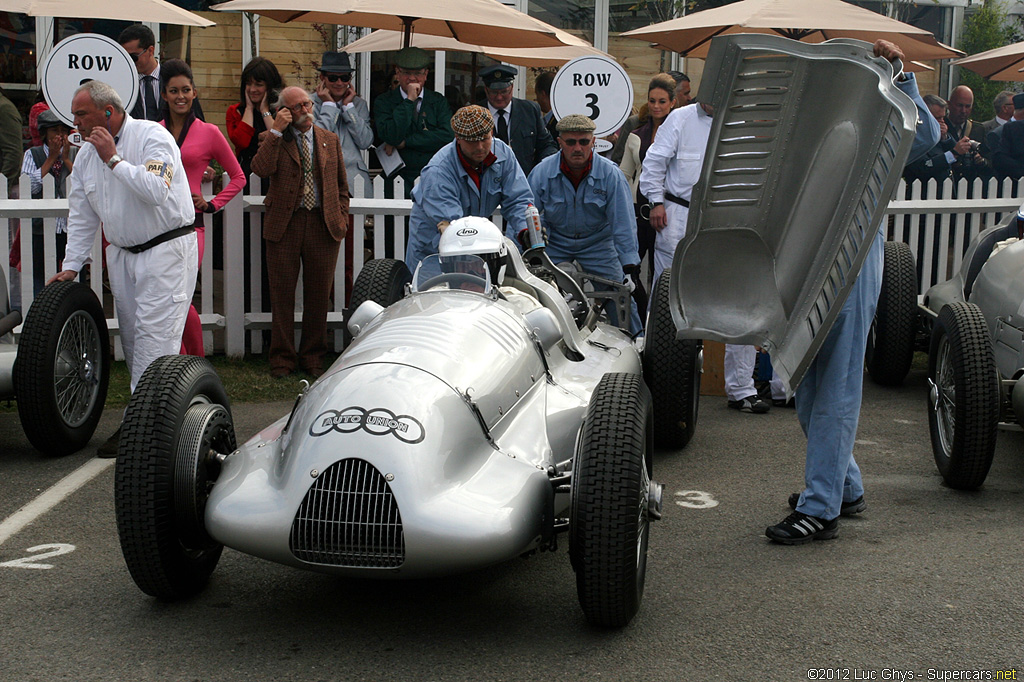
938	231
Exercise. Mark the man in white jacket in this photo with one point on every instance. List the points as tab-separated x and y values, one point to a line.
129	178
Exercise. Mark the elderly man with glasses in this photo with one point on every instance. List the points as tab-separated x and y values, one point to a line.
587	207
412	121
306	219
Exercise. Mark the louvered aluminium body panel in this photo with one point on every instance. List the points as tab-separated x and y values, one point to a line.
806	147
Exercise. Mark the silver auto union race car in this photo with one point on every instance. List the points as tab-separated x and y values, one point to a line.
480	411
972	327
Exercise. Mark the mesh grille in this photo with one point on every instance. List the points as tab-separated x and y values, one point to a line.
349	518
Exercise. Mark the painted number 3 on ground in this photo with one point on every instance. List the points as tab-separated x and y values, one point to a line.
695	499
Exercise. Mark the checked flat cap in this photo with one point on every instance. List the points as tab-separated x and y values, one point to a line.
472	123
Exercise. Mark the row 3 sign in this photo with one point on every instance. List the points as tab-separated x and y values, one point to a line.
594	86
84	57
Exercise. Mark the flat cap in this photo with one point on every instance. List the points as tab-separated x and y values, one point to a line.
575	123
412	58
472	123
1018	100
498	77
48	119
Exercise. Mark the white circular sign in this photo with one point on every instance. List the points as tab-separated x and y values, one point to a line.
594	86
84	57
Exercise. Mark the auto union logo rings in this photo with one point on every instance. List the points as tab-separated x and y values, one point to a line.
377	422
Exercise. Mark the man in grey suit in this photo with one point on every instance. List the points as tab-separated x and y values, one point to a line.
517	122
1003	107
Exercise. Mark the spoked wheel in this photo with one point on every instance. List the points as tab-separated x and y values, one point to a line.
890	347
62	369
672	370
964	396
382	280
613	501
176	430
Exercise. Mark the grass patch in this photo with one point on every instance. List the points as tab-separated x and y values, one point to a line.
246	380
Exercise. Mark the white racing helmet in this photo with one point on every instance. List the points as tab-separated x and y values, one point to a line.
475	236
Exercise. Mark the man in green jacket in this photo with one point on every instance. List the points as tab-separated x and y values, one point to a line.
11	152
410	118
412	121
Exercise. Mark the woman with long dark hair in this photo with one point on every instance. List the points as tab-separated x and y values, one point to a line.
261	83
199	142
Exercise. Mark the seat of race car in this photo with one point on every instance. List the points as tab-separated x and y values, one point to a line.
548	295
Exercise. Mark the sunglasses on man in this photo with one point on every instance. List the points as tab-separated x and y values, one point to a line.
335	77
572	141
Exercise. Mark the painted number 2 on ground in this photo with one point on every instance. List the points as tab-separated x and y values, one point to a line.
39	552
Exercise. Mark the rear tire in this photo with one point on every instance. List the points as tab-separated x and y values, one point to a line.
63	368
672	370
890	347
178	415
381	280
964	398
610	519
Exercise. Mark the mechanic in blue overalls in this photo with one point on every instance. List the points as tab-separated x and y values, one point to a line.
469	176
829	396
586	205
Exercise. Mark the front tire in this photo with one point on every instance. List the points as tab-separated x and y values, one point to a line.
672	370
890	347
177	421
63	368
964	398
610	514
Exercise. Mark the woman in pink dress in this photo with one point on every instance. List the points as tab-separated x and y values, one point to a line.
200	142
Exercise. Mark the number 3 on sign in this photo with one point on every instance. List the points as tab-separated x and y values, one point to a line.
56	549
695	499
595	111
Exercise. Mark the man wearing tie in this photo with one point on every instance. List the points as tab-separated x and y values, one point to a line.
306	219
140	44
517	122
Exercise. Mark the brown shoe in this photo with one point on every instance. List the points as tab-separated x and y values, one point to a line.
109	448
314	372
280	372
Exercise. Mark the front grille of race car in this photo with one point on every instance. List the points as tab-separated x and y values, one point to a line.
349	518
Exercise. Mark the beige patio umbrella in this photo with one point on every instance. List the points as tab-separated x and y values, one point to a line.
477	22
1001	64
123	10
384	41
810	21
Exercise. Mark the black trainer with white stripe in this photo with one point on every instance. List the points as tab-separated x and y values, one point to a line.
798	528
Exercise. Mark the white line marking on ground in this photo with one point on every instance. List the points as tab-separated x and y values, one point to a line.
52	497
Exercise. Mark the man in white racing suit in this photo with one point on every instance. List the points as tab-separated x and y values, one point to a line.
129	178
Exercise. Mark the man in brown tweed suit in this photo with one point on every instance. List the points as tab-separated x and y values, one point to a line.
306	219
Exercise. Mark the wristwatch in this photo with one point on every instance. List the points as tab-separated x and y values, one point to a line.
113	161
657	203
267	113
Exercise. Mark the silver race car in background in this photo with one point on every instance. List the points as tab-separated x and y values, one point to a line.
972	327
466	424
59	367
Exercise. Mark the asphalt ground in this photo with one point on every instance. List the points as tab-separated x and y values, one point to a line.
926	584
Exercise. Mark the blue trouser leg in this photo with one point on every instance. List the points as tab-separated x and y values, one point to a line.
828	399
